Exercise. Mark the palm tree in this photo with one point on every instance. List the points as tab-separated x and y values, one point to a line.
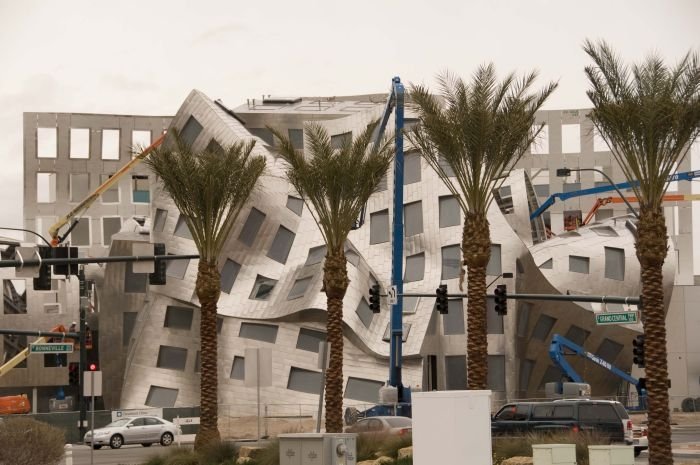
337	183
649	115
210	189
478	131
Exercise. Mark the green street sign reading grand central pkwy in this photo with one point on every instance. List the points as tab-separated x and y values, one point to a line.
51	348
619	318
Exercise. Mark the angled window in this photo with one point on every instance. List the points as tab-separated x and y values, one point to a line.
140	140
80	235
197	363
449	211
451	262
455	372
238	368
526	367
228	275
453	320
259	332
110	227
178	317
547	264
128	324
304	380
176	268
364	313
140	190
181	228
251	227
446	167
134	282
159	396
605	231
172	358
295	204
309	339
296	137
45	187
263	287
214	147
316	255
219	324
299	288
494	266
412	171
46	142
609	350
366	390
615	263
111	195
281	245
79	186
110	144
413	218
405	330
579	264
577	335
494	321
338	140
410	304
159	222
415	268
379	227
190	131
544	325
79	143
264	134
496	377
552	374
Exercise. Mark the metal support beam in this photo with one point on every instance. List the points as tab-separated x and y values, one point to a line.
87	260
603	299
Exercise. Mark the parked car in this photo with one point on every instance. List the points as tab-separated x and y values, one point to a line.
144	430
640	439
382	425
608	418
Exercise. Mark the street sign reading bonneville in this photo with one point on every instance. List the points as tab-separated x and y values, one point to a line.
50	348
617	318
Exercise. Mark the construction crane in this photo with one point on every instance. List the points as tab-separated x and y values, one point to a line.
56	239
24	353
600	202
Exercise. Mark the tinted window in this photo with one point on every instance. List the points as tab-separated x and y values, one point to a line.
513	413
138	422
597	412
153	421
551	411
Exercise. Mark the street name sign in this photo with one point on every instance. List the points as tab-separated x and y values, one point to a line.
617	318
50	348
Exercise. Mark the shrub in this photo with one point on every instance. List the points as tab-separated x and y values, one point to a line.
29	442
182	457
507	447
268	455
217	453
371	446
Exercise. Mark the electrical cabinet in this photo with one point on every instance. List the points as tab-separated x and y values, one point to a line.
318	449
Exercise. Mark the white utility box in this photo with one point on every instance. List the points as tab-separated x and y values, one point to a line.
318	449
553	454
611	455
452	427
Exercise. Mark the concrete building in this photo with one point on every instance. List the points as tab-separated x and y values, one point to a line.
272	264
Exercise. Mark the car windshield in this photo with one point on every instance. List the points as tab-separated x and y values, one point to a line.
398	422
120	422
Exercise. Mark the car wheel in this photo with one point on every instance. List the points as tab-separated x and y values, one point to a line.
351	415
97	447
166	439
146	444
116	441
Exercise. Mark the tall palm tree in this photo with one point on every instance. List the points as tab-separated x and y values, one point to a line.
337	183
649	115
478	131
210	189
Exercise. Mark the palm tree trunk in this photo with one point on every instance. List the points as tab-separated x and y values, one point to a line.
208	289
651	251
476	250
335	283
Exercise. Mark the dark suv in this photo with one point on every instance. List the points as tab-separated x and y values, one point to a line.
609	418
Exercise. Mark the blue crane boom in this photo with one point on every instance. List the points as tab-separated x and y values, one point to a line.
685	176
558	350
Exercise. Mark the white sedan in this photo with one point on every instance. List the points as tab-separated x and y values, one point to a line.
144	430
382	425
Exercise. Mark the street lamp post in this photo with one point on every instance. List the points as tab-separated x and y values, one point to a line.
564	172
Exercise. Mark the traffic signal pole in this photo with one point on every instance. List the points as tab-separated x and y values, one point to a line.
83	350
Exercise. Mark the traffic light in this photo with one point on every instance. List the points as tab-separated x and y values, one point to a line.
74	373
500	294
157	278
43	281
638	350
441	299
93	366
374	298
642	383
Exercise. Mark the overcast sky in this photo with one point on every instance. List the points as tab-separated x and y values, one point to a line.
129	57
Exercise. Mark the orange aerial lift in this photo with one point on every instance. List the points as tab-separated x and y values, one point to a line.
606	200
